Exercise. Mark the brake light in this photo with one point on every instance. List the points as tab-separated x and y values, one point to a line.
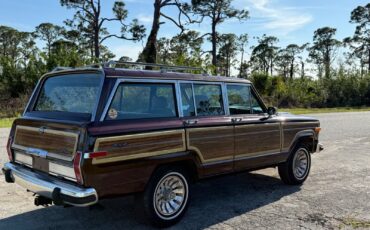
77	167
9	148
317	129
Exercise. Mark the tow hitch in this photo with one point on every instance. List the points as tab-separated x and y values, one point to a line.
42	201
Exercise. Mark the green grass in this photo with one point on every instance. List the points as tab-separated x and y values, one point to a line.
6	122
324	110
355	223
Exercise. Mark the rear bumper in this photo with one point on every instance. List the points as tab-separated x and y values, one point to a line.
59	191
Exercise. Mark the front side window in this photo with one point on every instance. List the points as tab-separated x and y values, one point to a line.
255	104
208	99
142	100
74	93
239	99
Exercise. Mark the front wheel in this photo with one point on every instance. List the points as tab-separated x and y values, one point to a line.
166	197
295	171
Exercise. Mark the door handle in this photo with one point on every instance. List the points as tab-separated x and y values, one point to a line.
236	119
190	122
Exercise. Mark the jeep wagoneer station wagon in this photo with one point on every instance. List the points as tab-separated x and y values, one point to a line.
101	131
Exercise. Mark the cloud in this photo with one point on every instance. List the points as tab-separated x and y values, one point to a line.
145	19
131	50
269	14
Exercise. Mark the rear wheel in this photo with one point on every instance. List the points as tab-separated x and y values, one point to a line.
295	171
166	197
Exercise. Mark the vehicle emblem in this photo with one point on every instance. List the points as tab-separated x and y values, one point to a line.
42	130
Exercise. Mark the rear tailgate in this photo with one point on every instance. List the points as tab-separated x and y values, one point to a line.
48	146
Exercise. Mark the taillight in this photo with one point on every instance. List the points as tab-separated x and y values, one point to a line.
9	148
77	167
95	155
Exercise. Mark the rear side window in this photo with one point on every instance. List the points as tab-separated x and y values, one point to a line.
143	100
208	100
201	99
239	99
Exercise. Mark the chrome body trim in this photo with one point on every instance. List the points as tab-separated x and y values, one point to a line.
93	115
66	72
178	99
225	99
319	147
177	84
31	98
44	185
122	80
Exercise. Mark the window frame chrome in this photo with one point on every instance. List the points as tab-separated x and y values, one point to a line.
33	98
134	80
221	84
250	93
178	99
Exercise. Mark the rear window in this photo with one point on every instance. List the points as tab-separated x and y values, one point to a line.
75	93
143	100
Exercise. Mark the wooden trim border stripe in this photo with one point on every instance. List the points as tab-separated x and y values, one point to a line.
108	159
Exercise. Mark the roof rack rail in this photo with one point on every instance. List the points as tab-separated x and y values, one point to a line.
163	68
94	65
59	68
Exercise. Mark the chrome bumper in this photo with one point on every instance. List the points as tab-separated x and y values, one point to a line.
319	147
59	191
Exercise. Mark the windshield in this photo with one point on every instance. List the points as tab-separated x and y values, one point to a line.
74	93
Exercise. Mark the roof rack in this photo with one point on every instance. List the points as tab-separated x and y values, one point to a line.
163	68
94	65
59	68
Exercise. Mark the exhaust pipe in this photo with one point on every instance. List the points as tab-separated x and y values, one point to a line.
42	201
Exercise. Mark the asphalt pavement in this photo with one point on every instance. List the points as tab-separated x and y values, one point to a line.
335	196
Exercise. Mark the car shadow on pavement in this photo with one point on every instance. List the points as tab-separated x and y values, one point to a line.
213	201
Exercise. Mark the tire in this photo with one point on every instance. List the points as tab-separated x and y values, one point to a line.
296	169
162	206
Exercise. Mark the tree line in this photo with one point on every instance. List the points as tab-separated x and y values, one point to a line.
324	72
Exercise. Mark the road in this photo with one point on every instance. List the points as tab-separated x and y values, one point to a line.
336	194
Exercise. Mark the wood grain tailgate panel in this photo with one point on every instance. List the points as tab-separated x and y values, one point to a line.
135	146
53	141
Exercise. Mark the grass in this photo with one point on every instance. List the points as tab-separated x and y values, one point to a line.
354	223
325	110
6	122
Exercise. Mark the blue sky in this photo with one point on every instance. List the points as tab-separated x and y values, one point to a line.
292	21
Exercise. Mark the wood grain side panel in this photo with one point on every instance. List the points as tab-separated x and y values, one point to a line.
290	130
212	144
135	146
255	139
53	141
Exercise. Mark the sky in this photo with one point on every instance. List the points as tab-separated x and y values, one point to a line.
292	21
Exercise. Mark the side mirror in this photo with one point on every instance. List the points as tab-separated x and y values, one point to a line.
271	111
